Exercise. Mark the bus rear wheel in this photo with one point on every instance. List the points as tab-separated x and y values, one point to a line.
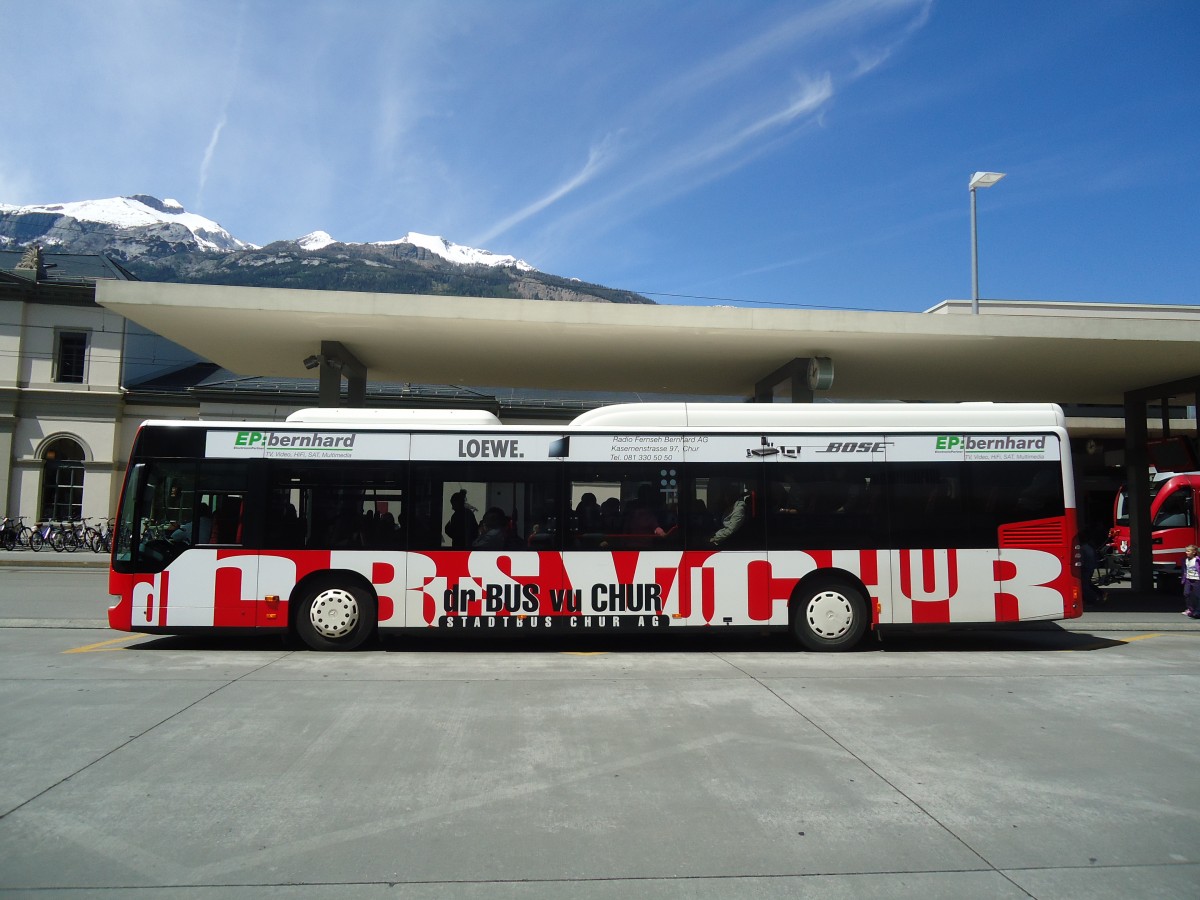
832	615
335	617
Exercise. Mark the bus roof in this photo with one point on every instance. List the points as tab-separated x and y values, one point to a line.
475	418
708	416
823	415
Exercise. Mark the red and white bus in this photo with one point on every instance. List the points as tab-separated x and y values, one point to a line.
825	519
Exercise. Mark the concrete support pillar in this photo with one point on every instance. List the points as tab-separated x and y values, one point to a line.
794	381
335	363
356	390
330	391
1137	464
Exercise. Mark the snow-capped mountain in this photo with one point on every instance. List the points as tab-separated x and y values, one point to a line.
457	253
438	246
142	219
315	240
158	240
132	225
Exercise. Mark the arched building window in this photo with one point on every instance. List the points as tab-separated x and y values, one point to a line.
62	480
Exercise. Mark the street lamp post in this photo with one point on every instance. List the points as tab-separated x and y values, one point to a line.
978	180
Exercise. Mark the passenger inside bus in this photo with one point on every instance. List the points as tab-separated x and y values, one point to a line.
493	531
462	529
610	516
736	500
387	532
201	528
588	519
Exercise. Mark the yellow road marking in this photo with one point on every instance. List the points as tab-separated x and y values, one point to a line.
103	646
584	652
1104	645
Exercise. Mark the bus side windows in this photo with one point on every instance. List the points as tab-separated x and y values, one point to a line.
939	504
824	506
508	505
623	506
315	507
964	503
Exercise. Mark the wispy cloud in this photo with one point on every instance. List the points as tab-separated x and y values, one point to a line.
598	157
811	97
717	116
716	151
210	151
833	21
871	59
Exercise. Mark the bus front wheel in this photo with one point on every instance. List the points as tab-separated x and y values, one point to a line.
335	617
832	615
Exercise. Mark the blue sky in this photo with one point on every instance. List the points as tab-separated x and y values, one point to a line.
809	154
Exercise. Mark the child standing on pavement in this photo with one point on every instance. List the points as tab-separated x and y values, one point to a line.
1191	581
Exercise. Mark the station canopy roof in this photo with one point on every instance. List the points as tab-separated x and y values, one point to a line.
1012	351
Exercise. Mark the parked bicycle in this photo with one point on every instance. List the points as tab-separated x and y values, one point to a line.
96	538
72	533
50	534
59	535
8	534
22	533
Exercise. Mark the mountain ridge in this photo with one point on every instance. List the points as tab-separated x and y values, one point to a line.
158	240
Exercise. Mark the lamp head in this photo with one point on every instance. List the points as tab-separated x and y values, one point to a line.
985	179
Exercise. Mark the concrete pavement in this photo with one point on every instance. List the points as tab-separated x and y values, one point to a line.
1025	764
48	558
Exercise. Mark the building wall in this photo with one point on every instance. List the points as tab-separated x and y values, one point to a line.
10	343
90	418
35	410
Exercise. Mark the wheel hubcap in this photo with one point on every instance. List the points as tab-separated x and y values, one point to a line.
829	614
334	613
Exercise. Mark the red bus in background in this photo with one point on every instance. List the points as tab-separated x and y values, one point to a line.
825	520
1174	519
